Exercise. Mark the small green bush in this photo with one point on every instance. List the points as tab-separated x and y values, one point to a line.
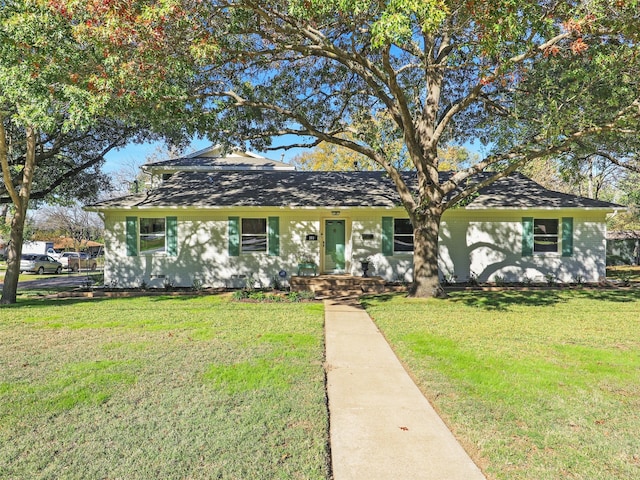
257	295
260	296
307	295
197	286
240	295
293	297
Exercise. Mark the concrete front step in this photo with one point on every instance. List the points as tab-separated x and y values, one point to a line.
336	293
338	285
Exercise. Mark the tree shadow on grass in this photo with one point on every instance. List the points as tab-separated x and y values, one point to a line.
368	300
35	301
620	295
503	300
494	300
47	300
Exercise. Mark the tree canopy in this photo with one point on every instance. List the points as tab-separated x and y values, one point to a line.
65	101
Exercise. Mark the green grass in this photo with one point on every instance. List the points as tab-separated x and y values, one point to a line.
162	387
537	385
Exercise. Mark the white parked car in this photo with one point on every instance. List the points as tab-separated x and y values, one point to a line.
76	260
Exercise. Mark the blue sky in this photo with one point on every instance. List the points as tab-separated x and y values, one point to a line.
138	153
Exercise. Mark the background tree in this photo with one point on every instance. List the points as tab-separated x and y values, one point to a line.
590	176
69	222
131	178
332	157
628	193
328	156
43	111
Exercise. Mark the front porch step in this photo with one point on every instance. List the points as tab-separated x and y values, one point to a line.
337	285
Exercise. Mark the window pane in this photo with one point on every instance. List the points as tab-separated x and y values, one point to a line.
544	226
545	235
402	235
402	226
152	225
403	243
152	235
254	226
545	244
254	243
254	235
151	243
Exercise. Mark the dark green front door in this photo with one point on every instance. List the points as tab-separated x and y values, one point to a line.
334	246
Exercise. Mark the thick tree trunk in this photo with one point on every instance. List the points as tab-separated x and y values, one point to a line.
20	197
14	251
426	280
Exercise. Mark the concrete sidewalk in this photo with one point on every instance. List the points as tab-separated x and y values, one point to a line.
382	427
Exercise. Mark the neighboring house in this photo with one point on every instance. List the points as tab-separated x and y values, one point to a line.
68	244
623	247
214	220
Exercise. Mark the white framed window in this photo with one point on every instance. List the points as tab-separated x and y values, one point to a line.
546	235
153	233
253	235
402	235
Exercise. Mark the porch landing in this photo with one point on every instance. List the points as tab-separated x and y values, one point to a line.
331	286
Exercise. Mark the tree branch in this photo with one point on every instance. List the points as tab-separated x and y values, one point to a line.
519	156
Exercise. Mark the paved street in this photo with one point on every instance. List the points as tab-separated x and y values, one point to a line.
62	280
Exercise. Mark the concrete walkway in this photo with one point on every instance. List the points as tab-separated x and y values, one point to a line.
382	427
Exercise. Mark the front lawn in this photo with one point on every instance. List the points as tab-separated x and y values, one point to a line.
159	387
537	385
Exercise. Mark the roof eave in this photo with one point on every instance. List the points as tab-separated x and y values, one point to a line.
581	209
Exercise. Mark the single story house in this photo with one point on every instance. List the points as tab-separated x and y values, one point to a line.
216	220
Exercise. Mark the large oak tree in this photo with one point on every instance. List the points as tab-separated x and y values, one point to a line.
530	79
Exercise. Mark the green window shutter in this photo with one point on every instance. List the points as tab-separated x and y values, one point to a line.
387	236
567	236
234	236
527	236
132	236
172	236
274	236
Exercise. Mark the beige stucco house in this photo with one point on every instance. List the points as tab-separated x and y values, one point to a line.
215	220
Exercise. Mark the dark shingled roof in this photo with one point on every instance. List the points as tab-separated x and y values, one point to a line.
234	162
256	188
518	191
